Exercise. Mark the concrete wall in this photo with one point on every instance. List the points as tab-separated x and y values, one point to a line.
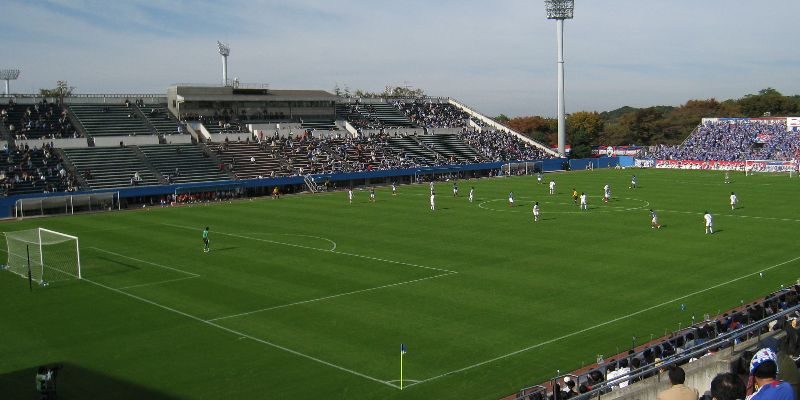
111	141
178	139
68	143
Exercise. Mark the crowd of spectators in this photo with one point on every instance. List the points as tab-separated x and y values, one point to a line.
734	140
433	115
34	170
683	347
502	146
40	120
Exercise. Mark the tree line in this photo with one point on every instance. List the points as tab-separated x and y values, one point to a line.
650	125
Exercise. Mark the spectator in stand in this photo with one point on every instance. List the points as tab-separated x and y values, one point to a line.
763	378
678	391
727	386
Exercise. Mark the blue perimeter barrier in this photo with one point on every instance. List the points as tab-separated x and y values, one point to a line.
548	165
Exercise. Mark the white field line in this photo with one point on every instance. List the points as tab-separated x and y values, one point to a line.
243	335
317	249
145	262
578	332
733	214
158	283
330	297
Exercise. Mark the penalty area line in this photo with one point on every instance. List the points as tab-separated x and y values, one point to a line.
330	297
240	334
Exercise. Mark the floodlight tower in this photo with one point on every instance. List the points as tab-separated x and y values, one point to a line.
9	75
224	51
560	10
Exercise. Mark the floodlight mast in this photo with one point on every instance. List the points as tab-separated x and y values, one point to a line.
560	10
9	75
224	51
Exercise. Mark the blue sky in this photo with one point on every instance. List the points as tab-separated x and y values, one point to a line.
498	56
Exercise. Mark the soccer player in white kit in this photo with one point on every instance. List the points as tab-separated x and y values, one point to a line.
455	189
471	194
372	195
734	200
394	189
536	212
606	193
433	202
539	177
583	202
431	187
709	220
633	182
654	220
511	199
350	195
552	187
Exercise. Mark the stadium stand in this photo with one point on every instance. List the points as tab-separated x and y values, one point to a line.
183	163
111	167
28	170
160	120
36	121
327	124
734	140
410	148
433	115
110	119
372	115
454	150
502	146
250	160
687	345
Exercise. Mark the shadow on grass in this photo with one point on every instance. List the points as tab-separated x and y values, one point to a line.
75	382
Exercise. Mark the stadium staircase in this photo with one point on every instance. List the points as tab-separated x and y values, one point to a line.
451	148
409	146
159	119
69	166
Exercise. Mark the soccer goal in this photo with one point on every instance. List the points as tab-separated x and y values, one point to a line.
43	255
770	166
522	168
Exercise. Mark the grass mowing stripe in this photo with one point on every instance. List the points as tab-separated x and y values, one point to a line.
318	249
578	332
240	334
331	297
145	262
158	283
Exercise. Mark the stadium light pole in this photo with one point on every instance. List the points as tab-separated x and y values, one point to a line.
560	10
224	51
9	75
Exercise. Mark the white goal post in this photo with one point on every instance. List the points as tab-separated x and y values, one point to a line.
522	168
48	256
770	166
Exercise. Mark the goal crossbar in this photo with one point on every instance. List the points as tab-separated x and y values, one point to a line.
43	255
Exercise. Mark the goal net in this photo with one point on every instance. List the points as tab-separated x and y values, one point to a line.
522	168
48	256
770	166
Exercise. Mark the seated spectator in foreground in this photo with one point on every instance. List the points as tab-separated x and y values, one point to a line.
678	391
763	374
727	386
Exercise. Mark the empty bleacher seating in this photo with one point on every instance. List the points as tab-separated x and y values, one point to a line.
372	116
410	148
110	119
190	162
110	167
452	148
250	160
159	118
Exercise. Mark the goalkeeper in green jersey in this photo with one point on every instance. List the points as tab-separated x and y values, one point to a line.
206	247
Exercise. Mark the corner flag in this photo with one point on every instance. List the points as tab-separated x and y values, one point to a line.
402	352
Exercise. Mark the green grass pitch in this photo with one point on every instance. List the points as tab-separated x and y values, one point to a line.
310	297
